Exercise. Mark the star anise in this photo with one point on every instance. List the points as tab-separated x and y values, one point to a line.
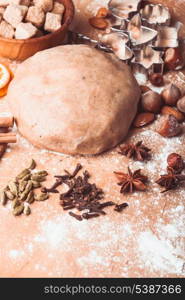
137	151
170	180
131	181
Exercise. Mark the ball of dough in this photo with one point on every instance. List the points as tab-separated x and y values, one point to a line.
74	99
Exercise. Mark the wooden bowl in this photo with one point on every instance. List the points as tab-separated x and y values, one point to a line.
22	49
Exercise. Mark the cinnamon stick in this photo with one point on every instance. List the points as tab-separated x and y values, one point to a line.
2	149
6	121
6	138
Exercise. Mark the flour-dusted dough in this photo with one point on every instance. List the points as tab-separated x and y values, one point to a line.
74	99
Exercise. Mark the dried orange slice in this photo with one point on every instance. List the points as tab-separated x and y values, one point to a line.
4	76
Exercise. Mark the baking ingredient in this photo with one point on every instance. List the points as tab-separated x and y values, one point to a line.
175	162
21	190
171	180
120	207
6	122
181	104
151	102
143	119
173	58
100	110
136	151
171	94
9	137
168	110
156	79
168	126
131	181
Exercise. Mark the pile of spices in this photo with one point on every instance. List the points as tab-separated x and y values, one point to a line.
82	196
21	190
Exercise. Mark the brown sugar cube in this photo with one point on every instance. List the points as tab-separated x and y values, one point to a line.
36	16
46	5
58	8
25	31
14	14
53	22
6	30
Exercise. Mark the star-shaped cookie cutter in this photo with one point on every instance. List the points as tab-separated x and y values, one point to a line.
148	60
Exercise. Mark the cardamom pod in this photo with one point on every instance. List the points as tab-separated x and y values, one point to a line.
27	177
38	178
3	198
15	203
41	173
41	197
27	210
28	188
18	210
22	185
30	198
13	188
36	184
32	165
9	195
23	174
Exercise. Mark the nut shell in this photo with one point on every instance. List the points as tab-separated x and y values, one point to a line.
173	59
143	119
151	102
156	79
181	104
168	110
175	162
168	126
171	95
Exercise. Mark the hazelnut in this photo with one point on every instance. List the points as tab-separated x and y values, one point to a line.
168	110
171	95
151	102
175	162
173	59
168	126
143	119
181	104
156	79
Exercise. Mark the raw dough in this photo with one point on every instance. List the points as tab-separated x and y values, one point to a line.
74	99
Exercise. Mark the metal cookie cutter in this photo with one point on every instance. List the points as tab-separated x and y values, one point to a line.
148	61
114	42
140	35
124	9
154	16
